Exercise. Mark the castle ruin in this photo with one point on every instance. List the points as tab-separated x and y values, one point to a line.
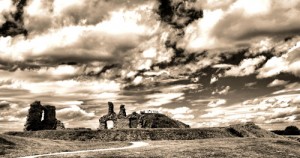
36	113
145	119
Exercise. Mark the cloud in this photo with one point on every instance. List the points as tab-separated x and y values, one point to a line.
105	41
53	14
183	116
180	110
264	110
215	103
6	7
74	113
178	14
288	62
250	84
226	24
222	92
180	88
277	82
4	104
213	79
292	87
246	67
160	99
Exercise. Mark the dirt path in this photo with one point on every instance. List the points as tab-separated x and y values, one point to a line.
133	145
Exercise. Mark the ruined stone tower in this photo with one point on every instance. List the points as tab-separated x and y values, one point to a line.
34	117
111	115
122	112
49	121
34	120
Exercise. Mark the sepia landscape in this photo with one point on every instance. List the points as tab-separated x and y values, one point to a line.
149	78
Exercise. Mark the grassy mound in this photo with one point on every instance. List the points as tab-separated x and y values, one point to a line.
250	130
151	120
128	134
239	130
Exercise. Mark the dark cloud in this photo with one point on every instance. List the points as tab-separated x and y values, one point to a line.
14	26
262	21
4	105
83	12
178	14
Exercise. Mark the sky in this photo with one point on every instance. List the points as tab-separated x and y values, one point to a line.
206	63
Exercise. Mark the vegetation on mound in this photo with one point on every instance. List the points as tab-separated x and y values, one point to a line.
250	130
156	120
239	130
289	130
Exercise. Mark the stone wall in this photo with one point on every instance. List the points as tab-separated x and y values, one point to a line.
122	123
34	120
34	117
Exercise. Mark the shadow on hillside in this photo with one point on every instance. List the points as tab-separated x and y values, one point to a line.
5	144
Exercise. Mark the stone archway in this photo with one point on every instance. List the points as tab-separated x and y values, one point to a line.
111	116
110	124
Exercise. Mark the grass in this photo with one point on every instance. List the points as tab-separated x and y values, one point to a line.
215	147
15	146
128	134
241	140
239	130
21	146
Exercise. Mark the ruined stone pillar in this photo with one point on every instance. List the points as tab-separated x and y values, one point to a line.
50	121
60	125
102	122
122	112
110	108
34	116
134	120
110	116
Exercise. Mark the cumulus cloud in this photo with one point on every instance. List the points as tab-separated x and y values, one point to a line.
246	67
215	103
292	87
265	110
277	82
74	113
105	40
222	92
288	62
177	13
234	17
160	99
6	7
53	14
4	104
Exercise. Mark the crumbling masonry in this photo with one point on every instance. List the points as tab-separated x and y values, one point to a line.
34	120
121	121
136	120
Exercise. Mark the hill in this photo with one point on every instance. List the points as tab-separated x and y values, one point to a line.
156	120
239	130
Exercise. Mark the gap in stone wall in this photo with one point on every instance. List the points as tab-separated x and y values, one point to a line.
110	124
